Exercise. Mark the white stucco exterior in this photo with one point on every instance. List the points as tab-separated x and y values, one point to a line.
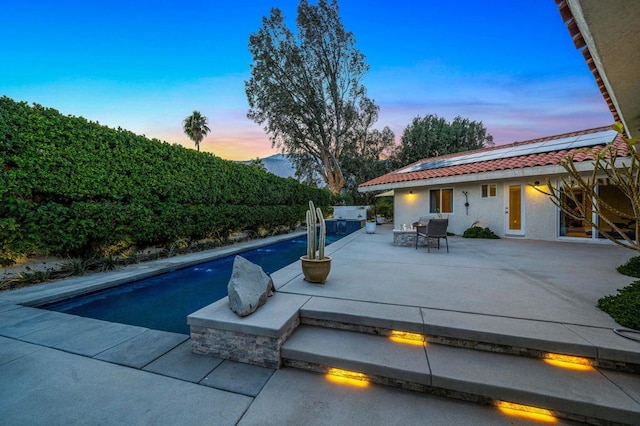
539	218
539	215
505	187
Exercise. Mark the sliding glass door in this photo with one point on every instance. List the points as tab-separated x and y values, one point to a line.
616	208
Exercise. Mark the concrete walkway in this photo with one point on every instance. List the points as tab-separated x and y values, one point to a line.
60	369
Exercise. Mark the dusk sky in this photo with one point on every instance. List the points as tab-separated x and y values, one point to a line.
146	65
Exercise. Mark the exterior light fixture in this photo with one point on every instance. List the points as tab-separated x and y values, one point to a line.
568	361
407	337
346	377
536	183
411	192
526	411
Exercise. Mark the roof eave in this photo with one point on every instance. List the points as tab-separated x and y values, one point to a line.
607	35
549	171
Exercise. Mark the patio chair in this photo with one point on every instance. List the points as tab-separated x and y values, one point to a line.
420	226
421	222
435	228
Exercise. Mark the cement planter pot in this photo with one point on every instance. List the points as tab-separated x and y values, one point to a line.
370	227
316	270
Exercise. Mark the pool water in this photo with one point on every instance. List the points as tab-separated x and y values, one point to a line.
164	301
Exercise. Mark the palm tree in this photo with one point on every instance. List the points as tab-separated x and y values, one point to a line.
258	164
195	126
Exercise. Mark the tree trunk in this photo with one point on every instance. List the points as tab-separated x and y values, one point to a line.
335	178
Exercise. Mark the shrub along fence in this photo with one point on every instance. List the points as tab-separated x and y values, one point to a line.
69	186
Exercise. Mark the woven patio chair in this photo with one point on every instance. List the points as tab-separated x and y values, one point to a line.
435	228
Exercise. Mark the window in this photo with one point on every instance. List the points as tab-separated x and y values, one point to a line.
489	190
569	225
618	210
441	201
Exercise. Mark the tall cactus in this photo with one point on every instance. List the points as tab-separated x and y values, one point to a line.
314	217
323	234
311	235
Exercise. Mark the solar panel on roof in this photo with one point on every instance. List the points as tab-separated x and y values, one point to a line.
597	138
567	143
552	146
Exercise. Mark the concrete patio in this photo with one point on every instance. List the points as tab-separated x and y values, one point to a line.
60	369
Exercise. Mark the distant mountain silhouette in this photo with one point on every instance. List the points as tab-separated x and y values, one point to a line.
278	164
281	165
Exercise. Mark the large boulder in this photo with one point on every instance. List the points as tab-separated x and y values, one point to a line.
249	287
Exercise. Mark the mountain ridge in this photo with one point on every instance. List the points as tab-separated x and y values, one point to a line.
278	164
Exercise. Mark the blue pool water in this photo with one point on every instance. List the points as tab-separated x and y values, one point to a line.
164	301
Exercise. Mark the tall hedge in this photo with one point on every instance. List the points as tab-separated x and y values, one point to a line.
69	186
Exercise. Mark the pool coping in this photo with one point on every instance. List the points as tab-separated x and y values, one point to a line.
54	291
270	337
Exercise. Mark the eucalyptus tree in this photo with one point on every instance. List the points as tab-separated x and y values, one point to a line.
306	89
366	154
195	126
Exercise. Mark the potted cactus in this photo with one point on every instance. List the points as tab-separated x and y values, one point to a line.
315	265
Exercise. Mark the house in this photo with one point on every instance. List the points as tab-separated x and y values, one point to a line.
496	187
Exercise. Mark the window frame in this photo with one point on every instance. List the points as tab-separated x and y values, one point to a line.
489	187
593	233
437	209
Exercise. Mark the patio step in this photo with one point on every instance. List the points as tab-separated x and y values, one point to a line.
588	395
599	347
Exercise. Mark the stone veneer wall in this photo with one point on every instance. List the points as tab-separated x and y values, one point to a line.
407	239
247	348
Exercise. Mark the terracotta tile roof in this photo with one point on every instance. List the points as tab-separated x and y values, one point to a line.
519	162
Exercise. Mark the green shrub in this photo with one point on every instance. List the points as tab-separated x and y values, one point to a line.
479	232
624	307
8	233
384	207
631	268
71	187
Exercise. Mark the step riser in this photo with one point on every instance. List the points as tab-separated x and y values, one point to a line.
439	391
474	344
373	378
441	340
462	373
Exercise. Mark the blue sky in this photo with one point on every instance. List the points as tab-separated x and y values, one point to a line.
146	65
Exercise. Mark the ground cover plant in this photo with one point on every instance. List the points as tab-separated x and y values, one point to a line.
624	307
631	268
479	232
70	187
113	258
66	268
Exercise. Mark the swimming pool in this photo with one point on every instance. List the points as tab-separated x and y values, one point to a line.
163	302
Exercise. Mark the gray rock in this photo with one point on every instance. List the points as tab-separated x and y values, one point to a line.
248	287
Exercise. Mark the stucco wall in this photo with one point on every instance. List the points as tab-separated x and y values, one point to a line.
539	217
408	208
